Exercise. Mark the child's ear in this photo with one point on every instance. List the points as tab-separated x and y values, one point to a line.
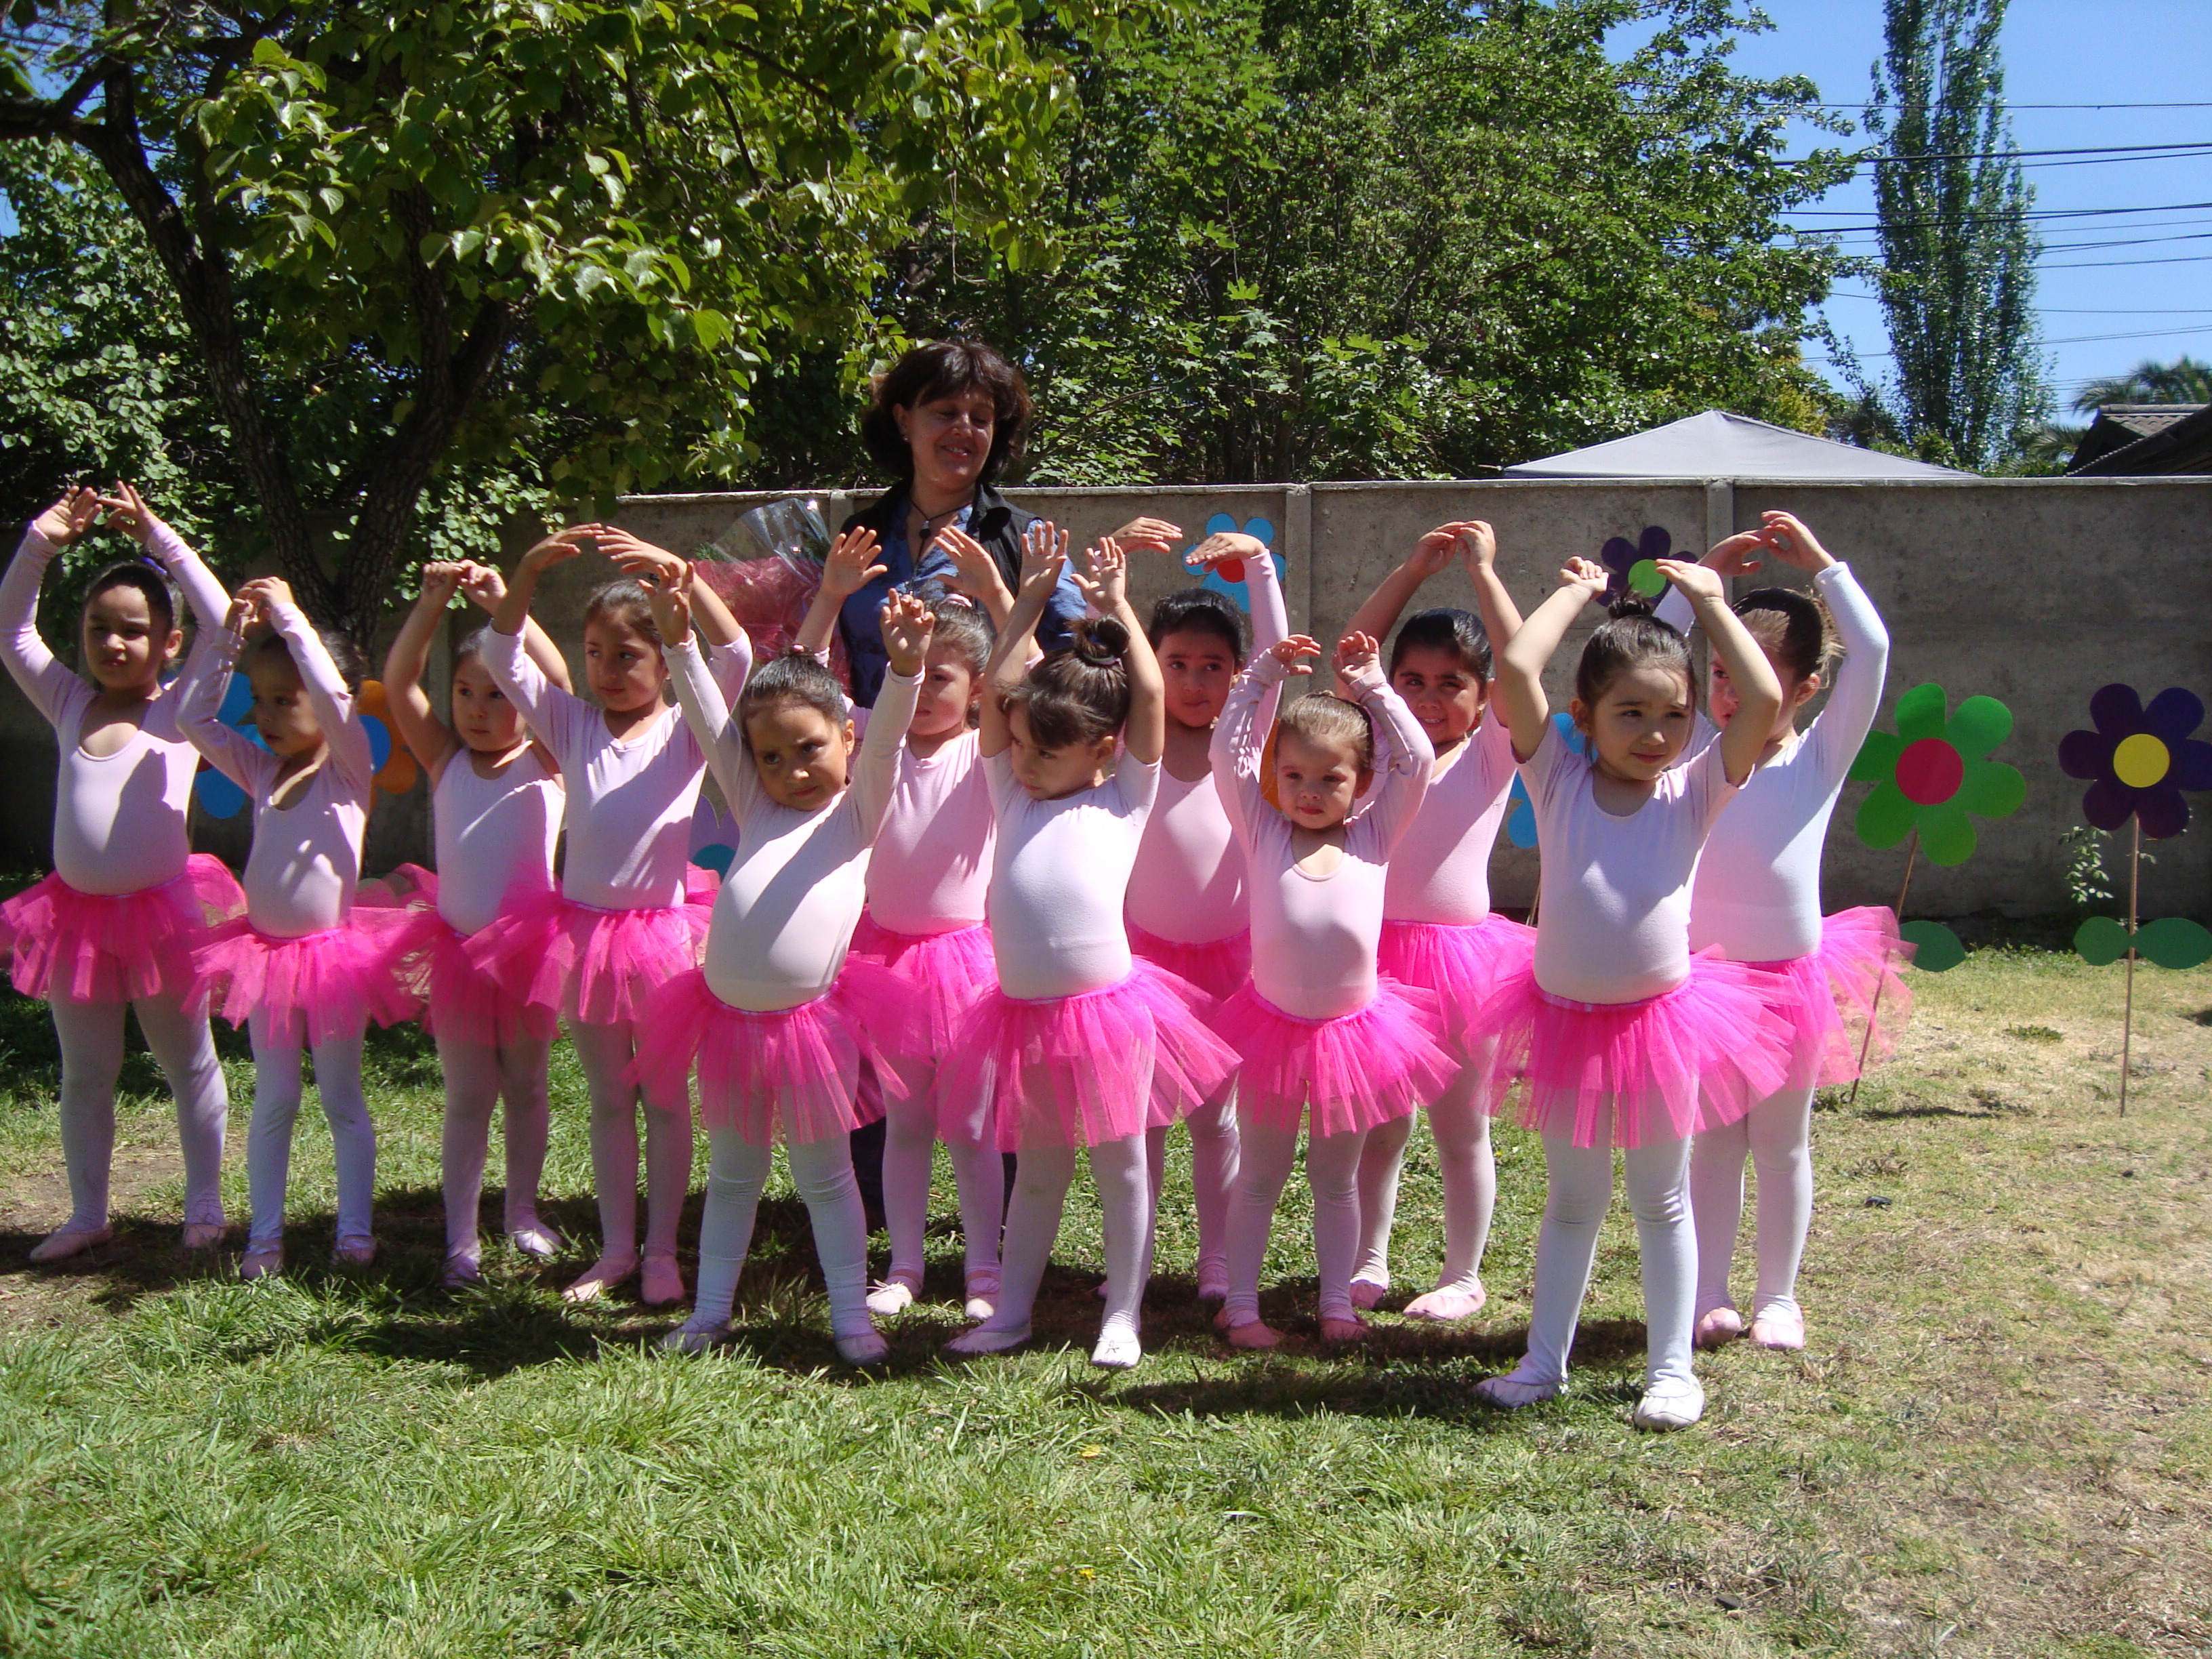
850	739
1366	781
1579	712
1807	689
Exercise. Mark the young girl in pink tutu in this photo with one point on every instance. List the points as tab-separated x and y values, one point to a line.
1438	931
924	920
1080	1041
112	927
1757	899
496	802
779	1021
627	919
303	968
1626	1039
1323	1038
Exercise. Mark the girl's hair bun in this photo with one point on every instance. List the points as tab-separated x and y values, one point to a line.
1629	603
1099	640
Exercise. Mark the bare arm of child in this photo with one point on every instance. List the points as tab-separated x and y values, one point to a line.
1521	664
426	736
1758	694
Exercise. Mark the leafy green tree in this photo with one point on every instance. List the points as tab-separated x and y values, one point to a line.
1316	238
2183	380
519	245
1958	251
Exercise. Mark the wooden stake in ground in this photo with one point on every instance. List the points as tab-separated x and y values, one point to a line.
1874	1013
2128	1017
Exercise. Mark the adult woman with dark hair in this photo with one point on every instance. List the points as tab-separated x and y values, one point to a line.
946	420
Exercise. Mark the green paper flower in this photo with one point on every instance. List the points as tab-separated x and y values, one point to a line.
1935	948
2172	942
1931	773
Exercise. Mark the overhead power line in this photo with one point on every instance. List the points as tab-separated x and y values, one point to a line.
2033	213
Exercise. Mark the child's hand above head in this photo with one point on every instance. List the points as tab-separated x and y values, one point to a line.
1592	578
641	560
442	578
1224	547
850	564
1297	654
1148	535
240	617
671	611
1358	659
907	624
974	572
267	593
1433	554
69	518
1793	543
1104	577
127	512
484	587
1044	555
1700	583
561	544
1477	546
1737	555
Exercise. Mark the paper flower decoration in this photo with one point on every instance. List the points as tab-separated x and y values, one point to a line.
1931	773
2139	760
2172	942
1634	564
1519	811
1935	948
1228	577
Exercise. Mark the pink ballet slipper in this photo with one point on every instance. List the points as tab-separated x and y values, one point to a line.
1828	998
1461	967
313	988
458	998
1118	1349
203	1235
264	1263
600	1279
1254	1335
1073	1071
1668	1406
983	1292
116	947
983	1339
1366	1294
1217	967
1718	1327
535	1239
694	1337
1337	1332
1448	1306
1779	1328
1369	1067
1662	1068
867	1347
353	1252
1212	1279
1512	1393
790	1074
660	1280
65	1242
603	967
889	1297
462	1270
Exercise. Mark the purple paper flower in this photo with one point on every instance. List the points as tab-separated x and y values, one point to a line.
1634	564
2139	760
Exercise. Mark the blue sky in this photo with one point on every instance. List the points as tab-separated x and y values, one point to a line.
2140	51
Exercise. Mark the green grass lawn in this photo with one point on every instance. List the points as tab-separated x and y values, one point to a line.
1997	1444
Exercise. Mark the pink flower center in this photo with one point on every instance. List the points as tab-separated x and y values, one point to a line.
1929	772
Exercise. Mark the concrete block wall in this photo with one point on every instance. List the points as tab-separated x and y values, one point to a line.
2035	592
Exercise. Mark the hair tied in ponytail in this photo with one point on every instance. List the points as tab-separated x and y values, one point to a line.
1099	641
1629	603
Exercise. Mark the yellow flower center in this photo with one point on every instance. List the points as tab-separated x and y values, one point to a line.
2139	760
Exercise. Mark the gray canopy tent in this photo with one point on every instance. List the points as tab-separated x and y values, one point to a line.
1718	445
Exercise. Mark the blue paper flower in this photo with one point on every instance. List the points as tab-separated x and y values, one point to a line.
1521	812
1259	530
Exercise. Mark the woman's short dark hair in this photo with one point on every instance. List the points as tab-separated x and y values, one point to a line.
1079	693
1455	633
1201	611
793	679
945	368
1633	638
161	601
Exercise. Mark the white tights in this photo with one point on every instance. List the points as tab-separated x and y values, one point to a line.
823	1172
605	1052
1469	1175
979	1177
1214	1160
478	1075
1566	1246
276	1085
91	1034
1042	1177
1778	1138
1265	1157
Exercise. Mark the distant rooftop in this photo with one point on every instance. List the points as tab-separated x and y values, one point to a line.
2145	439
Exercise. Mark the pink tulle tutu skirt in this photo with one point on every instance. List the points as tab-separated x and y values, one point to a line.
314	988
1829	996
1218	967
1377	1064
948	974
1461	967
791	1074
116	947
458	999
1695	1057
602	966
1084	1070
